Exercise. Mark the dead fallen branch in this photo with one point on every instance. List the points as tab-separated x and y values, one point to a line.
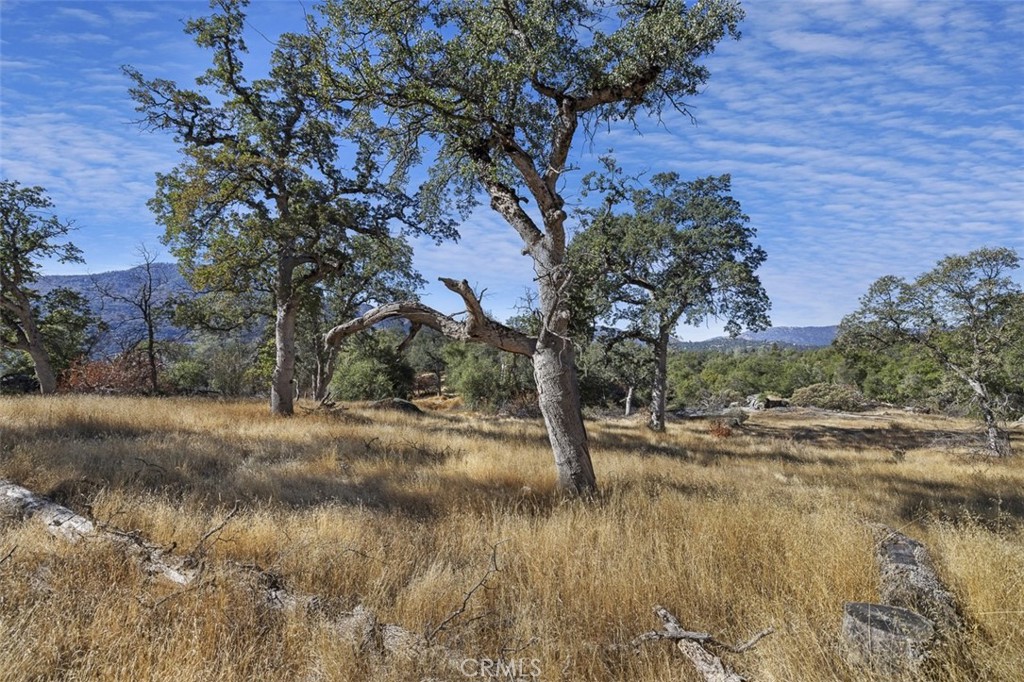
63	523
360	626
694	645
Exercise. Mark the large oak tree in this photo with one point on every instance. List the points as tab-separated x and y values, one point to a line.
29	234
498	92
681	251
275	184
966	313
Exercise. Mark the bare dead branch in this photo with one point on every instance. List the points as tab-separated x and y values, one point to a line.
749	644
216	529
693	646
414	329
477	327
480	584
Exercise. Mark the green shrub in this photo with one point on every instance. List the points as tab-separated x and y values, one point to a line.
486	378
187	376
371	368
829	397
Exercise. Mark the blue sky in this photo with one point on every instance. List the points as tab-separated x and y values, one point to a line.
864	137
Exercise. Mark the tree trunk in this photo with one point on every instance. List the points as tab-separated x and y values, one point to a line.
993	434
659	389
282	385
629	401
282	389
40	358
558	395
326	361
151	352
30	340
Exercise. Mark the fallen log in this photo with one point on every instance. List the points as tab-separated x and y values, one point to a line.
694	645
897	637
21	503
360	627
889	639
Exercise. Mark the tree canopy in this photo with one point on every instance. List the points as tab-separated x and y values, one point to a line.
29	234
496	93
276	182
683	251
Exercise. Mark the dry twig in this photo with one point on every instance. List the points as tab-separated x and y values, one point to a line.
206	536
492	568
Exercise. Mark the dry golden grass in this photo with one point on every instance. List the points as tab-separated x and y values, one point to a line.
400	513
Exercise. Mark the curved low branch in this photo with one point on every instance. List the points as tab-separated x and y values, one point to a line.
477	327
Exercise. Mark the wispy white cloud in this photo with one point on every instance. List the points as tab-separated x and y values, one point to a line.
129	14
79	15
72	38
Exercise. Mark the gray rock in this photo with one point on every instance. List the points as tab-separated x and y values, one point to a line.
890	639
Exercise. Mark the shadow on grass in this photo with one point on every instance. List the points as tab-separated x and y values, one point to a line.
709	453
993	503
888	438
389	478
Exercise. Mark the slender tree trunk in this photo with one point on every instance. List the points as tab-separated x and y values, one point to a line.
41	359
151	352
282	387
659	390
326	362
629	401
558	395
993	434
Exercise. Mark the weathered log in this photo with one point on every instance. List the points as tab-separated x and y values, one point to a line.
897	636
19	502
889	639
909	580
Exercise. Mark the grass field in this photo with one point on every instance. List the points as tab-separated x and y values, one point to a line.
763	527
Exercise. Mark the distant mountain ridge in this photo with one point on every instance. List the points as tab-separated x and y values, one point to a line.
123	318
793	337
811	337
166	277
